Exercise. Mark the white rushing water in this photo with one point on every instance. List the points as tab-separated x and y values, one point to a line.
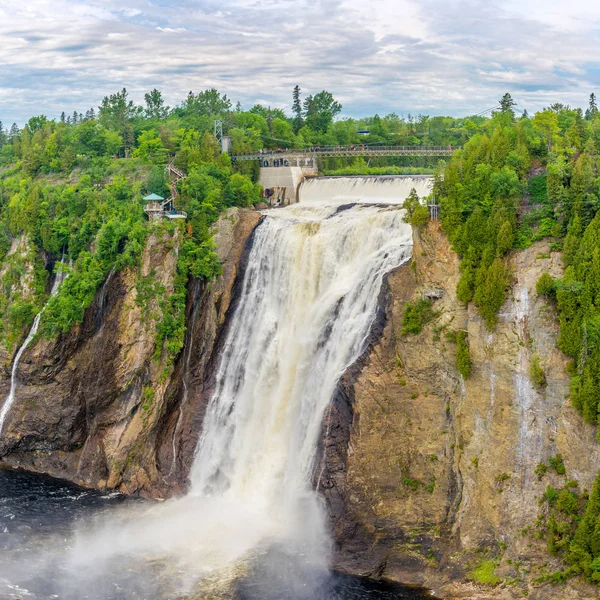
387	189
308	301
58	279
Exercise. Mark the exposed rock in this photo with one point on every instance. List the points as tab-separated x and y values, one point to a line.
425	471
95	407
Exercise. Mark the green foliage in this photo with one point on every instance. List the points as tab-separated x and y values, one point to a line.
571	524
556	463
416	316
545	286
536	372
484	573
463	355
420	216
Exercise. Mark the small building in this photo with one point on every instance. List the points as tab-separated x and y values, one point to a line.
156	207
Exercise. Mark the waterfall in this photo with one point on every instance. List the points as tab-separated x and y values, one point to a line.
58	279
385	189
308	301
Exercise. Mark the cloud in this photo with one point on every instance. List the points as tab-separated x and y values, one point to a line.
430	56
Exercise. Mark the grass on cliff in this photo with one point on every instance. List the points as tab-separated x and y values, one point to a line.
484	574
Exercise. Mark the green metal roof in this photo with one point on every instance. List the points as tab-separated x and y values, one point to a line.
153	198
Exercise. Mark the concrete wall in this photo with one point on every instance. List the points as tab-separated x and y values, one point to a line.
284	181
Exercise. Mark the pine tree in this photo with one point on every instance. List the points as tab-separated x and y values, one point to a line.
63	117
592	110
14	131
75	118
2	135
297	109
506	105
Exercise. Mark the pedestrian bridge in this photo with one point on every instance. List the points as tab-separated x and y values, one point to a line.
307	157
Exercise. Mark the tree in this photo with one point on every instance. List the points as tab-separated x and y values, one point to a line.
320	110
592	110
547	122
37	123
411	203
209	102
297	109
506	105
2	135
14	131
155	105
115	114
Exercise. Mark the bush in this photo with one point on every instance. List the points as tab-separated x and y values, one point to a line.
536	373
420	216
463	355
484	574
416	316
545	286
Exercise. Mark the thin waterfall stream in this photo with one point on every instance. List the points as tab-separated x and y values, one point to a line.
10	399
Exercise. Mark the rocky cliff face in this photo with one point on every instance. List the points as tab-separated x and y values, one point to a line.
427	476
95	407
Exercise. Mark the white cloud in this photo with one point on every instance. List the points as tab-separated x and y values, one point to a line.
414	56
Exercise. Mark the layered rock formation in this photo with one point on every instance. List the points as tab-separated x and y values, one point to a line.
95	406
428	476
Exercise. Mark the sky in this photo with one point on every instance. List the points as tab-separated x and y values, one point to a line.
454	57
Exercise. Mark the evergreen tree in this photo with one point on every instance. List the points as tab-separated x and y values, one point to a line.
63	117
297	109
506	105
592	110
2	135
14	131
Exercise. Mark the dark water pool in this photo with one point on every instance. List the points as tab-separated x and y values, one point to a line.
38	516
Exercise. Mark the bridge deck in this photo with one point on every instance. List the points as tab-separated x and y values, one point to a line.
339	151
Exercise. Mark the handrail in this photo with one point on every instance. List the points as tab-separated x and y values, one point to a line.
349	150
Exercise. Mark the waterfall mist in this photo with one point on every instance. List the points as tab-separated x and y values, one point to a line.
308	301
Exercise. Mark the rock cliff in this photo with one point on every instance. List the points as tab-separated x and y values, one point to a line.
96	406
429	477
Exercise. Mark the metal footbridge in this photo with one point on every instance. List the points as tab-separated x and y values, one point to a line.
269	158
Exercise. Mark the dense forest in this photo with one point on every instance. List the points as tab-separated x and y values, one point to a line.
516	181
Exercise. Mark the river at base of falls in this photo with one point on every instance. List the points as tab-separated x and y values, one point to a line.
38	516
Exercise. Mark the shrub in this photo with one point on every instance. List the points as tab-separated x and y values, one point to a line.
545	286
536	373
420	216
484	574
416	316
463	355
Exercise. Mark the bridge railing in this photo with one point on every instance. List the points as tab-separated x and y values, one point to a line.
364	149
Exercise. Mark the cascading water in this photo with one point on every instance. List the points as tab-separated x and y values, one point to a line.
58	279
388	189
308	301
